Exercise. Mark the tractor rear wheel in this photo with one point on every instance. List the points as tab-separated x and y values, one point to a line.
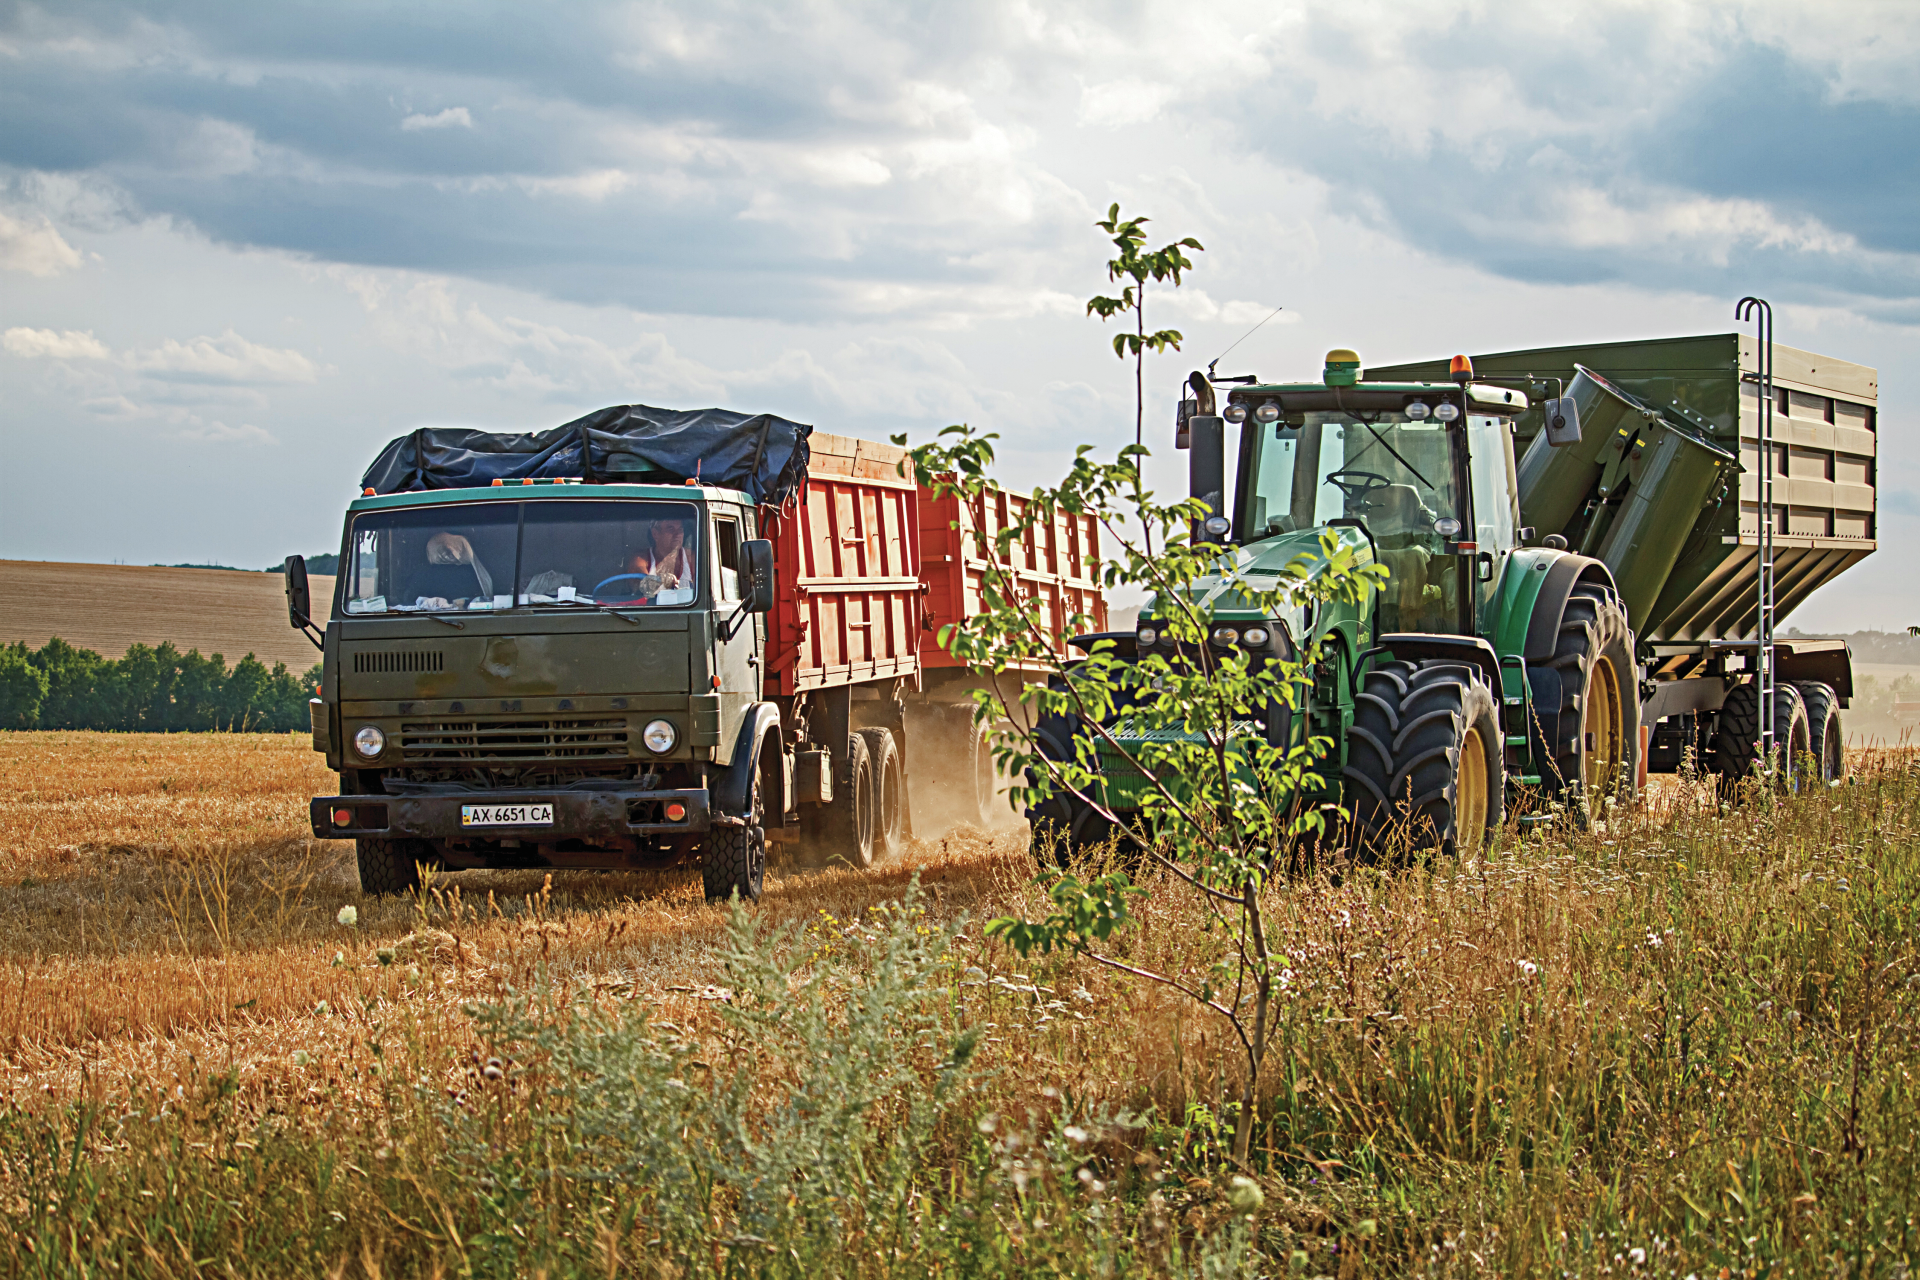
1826	740
1586	703
1425	767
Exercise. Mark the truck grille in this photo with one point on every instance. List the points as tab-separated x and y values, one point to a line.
447	741
398	660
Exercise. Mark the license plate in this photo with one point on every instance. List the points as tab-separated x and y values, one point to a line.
506	815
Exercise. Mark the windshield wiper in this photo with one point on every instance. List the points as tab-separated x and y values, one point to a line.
1395	452
452	622
587	604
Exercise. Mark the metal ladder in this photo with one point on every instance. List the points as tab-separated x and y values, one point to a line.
1761	311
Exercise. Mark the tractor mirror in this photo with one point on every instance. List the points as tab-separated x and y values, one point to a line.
1563	421
756	557
299	595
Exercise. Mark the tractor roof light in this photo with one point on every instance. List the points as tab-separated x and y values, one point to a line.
1268	411
1236	413
1343	367
1461	370
1446	411
1418	409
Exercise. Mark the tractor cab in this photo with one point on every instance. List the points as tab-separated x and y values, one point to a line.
1425	471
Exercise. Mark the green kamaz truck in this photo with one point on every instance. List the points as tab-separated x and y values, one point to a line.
1573	536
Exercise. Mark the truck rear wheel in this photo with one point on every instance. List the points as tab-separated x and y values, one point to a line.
390	867
1736	747
1825	738
889	794
1425	768
841	833
1587	703
734	859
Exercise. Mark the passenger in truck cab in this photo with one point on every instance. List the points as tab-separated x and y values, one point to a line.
454	574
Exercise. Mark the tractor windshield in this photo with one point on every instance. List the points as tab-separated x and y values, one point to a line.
1392	473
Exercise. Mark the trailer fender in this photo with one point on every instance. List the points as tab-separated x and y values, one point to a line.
760	727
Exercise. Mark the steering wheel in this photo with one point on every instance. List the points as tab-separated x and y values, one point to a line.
1356	484
623	577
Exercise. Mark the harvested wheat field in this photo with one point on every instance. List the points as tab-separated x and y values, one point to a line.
109	607
1680	1043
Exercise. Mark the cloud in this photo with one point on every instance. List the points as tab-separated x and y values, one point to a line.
35	248
228	358
451	117
70	344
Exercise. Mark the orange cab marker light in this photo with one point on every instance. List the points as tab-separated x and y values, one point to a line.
528	480
716	682
498	483
1467	546
367	493
342	817
676	813
1461	369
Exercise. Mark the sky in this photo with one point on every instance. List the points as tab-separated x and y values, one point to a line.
242	246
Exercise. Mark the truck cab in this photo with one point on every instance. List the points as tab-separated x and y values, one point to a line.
537	673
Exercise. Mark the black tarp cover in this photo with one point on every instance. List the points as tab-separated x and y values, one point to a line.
759	454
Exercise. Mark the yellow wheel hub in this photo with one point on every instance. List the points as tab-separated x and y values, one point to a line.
1470	794
1601	729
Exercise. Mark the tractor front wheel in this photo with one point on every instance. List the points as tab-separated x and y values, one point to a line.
1425	769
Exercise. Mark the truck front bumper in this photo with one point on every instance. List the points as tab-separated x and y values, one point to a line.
577	815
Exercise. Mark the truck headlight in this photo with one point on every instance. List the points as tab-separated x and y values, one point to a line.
659	736
369	741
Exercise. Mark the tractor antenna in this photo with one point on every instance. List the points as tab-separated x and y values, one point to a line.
1237	341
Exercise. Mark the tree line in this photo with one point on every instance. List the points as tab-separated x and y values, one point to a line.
149	690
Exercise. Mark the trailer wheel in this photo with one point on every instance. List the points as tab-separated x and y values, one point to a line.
1826	740
889	794
1587	703
1736	747
1425	767
734	859
390	867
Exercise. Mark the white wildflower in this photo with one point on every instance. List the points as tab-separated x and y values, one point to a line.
1637	1256
1074	1133
1528	968
1244	1194
349	915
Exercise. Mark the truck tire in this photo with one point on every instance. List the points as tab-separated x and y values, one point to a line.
1736	747
841	833
1586	729
1425	767
1826	740
974	771
889	794
389	868
734	858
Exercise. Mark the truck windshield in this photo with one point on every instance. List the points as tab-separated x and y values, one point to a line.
495	555
1389	471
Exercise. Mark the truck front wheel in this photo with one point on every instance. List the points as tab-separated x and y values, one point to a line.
1425	769
734	860
390	867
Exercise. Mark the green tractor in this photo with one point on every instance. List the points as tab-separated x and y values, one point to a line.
1482	669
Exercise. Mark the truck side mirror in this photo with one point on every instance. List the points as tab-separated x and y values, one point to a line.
756	557
299	595
1563	421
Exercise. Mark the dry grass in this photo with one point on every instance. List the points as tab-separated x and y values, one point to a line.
109	607
1678	1031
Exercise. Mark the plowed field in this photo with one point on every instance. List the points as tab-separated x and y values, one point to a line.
110	607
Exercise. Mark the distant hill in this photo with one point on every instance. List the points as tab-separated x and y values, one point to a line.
108	607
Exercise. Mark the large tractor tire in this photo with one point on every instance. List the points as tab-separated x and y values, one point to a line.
1425	767
1586	702
889	794
734	859
1067	831
1736	747
1826	740
389	868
